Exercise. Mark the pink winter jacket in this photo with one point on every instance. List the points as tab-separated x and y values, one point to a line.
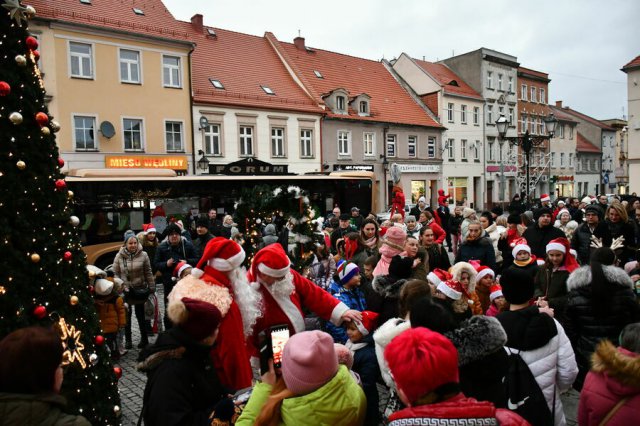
614	375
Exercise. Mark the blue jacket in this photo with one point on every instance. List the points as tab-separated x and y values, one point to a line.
354	299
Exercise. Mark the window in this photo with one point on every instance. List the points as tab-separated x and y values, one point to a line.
491	153
85	1
138	11
212	145
277	142
173	136
431	147
510	84
532	125
500	111
306	143
570	132
391	145
489	80
542	96
560	128
369	144
463	149
553	159
570	159
81	56
463	114
533	95
340	102
132	129
216	83
500	82
129	66
476	116
318	73
511	113
450	112
595	165
476	151
523	92
84	131
268	90
364	108
246	141
171	71
412	145
587	164
451	149
344	142
523	123
540	126
490	114
562	159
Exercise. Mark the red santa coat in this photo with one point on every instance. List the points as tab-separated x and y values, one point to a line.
230	355
289	311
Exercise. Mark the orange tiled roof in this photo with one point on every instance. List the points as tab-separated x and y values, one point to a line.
635	63
445	76
243	63
584	145
118	15
390	102
560	115
533	72
587	118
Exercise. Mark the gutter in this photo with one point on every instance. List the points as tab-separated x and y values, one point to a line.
191	104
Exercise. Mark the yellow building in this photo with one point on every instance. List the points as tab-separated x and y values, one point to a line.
118	83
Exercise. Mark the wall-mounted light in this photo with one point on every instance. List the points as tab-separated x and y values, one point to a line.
203	163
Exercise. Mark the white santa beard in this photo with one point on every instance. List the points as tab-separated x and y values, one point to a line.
247	297
281	292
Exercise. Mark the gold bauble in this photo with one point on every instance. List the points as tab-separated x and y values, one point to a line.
74	300
70	194
35	258
92	274
15	118
45	131
21	60
21	165
55	126
30	12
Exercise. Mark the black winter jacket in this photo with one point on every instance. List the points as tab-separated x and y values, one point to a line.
538	238
628	231
481	250
584	328
581	240
552	285
366	365
183	251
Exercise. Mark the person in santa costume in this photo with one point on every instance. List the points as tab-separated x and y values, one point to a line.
220	265
285	293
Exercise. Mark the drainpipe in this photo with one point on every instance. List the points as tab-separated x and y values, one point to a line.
193	135
385	129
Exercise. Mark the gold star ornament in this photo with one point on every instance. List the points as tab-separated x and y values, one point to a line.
16	10
71	345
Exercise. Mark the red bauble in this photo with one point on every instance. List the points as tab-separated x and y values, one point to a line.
61	184
32	43
36	55
118	372
99	340
91	289
60	162
5	89
68	255
42	119
40	312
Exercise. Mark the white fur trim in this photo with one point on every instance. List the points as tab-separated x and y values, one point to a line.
540	262
152	229
581	277
182	268
545	198
336	314
382	337
288	307
484	272
556	246
277	273
448	291
198	273
495	294
227	264
433	278
519	248
460	267
362	329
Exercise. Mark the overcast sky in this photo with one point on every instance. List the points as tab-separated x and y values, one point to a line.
582	44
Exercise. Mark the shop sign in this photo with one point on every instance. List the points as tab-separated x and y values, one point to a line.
249	167
419	168
353	167
146	162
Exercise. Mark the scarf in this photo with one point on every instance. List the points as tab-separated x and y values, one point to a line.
371	242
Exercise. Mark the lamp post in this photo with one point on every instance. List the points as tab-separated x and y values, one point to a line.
203	163
526	141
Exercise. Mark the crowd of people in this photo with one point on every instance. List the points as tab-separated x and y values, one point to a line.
450	309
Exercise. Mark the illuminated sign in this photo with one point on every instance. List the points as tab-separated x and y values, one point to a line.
146	162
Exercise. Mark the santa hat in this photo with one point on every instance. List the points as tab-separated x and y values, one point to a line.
438	275
520	245
368	323
452	289
484	271
181	266
347	270
562	211
222	254
495	292
562	244
561	202
271	260
459	268
148	227
545	197
574	253
587	200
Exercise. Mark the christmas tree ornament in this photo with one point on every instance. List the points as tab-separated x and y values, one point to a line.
61	184
17	12
91	289
45	131
118	372
73	300
93	359
70	195
15	118
2	290
72	345
40	312
5	89
67	256
60	162
42	119
31	42
21	165
116	410
30	11
55	126
99	340
35	258
36	55
74	221
21	60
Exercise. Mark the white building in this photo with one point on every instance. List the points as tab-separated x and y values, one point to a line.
633	135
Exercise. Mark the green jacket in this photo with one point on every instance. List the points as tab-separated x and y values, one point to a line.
339	402
36	410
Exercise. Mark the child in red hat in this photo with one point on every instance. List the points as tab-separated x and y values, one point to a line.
498	302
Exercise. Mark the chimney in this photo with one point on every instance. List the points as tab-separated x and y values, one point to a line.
299	43
559	104
197	22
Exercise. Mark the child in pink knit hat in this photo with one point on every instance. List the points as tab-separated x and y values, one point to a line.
392	244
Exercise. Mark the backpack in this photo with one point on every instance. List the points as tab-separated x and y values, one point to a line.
523	395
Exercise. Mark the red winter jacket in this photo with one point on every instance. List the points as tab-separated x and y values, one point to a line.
438	232
615	375
458	407
442	198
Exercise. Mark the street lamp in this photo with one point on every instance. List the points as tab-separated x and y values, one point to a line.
526	141
203	163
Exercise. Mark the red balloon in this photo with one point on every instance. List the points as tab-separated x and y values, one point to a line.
60	162
61	184
68	255
40	312
118	372
99	340
32	43
42	119
5	89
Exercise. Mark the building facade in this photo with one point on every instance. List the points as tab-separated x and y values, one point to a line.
563	158
632	69
110	81
460	108
587	176
620	163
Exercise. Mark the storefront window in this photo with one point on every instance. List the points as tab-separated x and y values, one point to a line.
458	188
418	189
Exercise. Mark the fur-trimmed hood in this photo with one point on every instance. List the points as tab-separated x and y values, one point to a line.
581	277
460	267
387	286
155	359
476	338
617	363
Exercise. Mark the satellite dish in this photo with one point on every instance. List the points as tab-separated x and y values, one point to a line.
107	129
204	122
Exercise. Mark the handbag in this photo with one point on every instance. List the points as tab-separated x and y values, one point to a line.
139	294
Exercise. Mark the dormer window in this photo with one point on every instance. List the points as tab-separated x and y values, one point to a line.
216	83
138	11
211	32
318	73
85	1
268	90
363	109
454	83
340	103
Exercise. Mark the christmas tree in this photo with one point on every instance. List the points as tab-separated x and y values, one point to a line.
44	280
